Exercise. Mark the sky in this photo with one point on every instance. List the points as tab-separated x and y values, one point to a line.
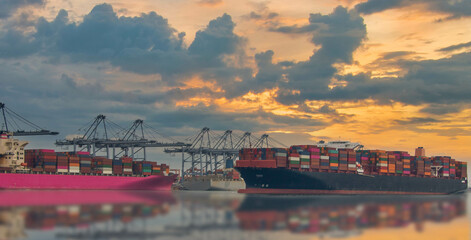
390	74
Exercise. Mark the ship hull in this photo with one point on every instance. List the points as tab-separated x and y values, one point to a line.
85	182
287	181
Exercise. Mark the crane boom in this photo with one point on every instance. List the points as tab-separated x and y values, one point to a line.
9	116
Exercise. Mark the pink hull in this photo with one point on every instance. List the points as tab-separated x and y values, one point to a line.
46	181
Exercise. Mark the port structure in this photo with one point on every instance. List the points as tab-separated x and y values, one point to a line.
210	151
14	124
105	135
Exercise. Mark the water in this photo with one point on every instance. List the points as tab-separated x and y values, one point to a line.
228	215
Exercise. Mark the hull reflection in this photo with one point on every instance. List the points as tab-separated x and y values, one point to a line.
340	216
23	211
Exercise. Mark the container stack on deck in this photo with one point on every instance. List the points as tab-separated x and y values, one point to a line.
62	162
314	158
85	163
117	166
127	165
281	157
44	160
74	163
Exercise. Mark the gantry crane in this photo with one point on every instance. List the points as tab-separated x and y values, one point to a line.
104	135
206	158
15	124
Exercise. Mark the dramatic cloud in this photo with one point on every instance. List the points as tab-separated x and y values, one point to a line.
8	7
417	121
215	41
455	47
456	9
338	34
443	81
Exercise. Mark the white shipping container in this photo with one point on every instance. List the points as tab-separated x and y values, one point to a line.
325	157
293	158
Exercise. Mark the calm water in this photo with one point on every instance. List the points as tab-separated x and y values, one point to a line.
223	215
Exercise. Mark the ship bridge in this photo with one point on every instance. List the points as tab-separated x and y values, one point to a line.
340	144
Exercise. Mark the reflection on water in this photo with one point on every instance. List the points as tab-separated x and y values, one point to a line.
217	215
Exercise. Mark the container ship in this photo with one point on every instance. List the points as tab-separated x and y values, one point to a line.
342	167
48	169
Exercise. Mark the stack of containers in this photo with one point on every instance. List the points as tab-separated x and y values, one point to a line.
446	166
399	161
420	166
363	158
343	159
74	163
137	168
281	157
315	154
32	160
118	166
305	159
428	166
333	159
294	158
85	163
97	165
443	162
391	163
266	154
246	156
107	166
382	163
127	165
62	162
452	168
351	157
30	157
461	169
325	159
48	159
156	169
405	157
146	168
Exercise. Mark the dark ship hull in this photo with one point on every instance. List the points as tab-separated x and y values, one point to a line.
288	181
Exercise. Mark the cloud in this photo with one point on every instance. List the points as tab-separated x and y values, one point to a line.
416	121
455	47
338	34
441	109
397	54
210	3
373	6
442	81
455	9
8	7
145	44
215	41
